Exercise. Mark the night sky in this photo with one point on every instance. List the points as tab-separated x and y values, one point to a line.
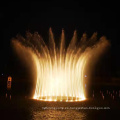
17	18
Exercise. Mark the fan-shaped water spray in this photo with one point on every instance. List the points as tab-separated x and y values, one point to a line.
60	71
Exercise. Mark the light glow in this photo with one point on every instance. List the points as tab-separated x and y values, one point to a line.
60	71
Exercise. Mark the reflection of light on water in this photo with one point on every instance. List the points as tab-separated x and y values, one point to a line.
61	115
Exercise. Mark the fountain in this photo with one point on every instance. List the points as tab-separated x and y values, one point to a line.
60	71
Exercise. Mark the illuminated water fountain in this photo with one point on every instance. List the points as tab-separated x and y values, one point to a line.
60	71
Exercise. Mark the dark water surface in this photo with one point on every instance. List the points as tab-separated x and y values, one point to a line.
28	109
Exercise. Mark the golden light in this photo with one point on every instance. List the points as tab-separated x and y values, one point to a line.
60	71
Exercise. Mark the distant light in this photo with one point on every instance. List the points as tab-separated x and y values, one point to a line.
85	75
2	73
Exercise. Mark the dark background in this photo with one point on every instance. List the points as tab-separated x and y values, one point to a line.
19	17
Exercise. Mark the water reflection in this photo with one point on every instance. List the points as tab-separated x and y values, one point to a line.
58	114
20	109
